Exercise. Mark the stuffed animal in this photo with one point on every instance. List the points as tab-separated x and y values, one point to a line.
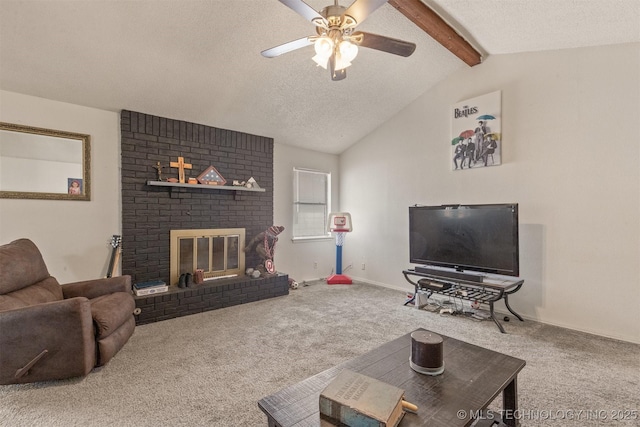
264	244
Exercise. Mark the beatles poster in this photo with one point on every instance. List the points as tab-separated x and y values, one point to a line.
476	132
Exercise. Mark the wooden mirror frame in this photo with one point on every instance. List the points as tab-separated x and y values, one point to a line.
85	145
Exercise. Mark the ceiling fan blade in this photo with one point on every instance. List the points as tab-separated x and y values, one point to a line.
360	9
304	10
384	44
287	47
336	74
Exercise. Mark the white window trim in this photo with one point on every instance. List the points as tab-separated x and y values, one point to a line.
327	235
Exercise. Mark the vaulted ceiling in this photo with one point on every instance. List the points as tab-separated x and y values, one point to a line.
200	60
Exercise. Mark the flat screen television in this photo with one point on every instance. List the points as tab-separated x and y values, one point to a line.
479	238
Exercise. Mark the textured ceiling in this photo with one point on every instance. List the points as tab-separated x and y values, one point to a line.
200	61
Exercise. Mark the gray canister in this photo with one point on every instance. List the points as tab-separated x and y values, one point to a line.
426	353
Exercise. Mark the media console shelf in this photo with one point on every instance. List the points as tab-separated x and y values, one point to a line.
488	291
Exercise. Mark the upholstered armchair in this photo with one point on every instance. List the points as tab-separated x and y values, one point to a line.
50	331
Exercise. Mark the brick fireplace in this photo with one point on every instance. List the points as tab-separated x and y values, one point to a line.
149	213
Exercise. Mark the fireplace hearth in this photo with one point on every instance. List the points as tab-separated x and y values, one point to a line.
211	295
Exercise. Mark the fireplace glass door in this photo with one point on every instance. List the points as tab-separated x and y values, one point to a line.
217	252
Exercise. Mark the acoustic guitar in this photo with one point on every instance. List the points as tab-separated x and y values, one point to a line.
116	241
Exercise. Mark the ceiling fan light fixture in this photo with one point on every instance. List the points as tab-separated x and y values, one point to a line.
323	46
336	41
341	64
322	61
341	61
348	50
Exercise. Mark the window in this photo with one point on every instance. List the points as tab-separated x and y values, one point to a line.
311	203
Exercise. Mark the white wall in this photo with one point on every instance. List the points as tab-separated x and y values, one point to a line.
570	159
297	258
73	236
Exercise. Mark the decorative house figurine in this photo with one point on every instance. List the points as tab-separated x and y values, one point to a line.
251	183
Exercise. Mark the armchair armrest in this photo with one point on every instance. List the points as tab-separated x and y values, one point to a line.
98	287
63	328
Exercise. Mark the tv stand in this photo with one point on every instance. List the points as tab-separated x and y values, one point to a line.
487	292
451	274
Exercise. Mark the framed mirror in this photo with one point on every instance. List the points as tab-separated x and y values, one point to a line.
38	163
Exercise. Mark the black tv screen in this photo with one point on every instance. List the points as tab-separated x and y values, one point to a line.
466	237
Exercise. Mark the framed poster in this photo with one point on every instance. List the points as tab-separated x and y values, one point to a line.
476	132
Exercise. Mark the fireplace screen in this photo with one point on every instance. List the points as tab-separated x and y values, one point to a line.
217	252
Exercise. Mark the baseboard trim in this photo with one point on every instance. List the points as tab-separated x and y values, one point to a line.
384	285
502	311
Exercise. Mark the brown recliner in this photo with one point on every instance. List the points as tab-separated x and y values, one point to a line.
50	331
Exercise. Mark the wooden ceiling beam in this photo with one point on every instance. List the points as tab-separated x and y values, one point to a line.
431	23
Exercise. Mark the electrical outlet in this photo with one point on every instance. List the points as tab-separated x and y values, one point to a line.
315	265
363	266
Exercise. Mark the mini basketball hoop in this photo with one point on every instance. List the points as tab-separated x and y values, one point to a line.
340	225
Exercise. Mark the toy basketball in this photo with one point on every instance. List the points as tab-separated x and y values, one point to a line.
340	224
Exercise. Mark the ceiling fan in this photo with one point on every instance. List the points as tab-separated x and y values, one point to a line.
336	42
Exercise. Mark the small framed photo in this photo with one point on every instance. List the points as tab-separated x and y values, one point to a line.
211	176
74	186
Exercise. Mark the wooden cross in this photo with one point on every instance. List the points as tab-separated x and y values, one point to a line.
181	165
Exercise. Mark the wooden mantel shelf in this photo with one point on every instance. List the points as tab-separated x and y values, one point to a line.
204	187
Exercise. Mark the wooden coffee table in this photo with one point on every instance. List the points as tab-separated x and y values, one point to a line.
472	379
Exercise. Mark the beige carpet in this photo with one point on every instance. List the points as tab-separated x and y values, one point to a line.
211	369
